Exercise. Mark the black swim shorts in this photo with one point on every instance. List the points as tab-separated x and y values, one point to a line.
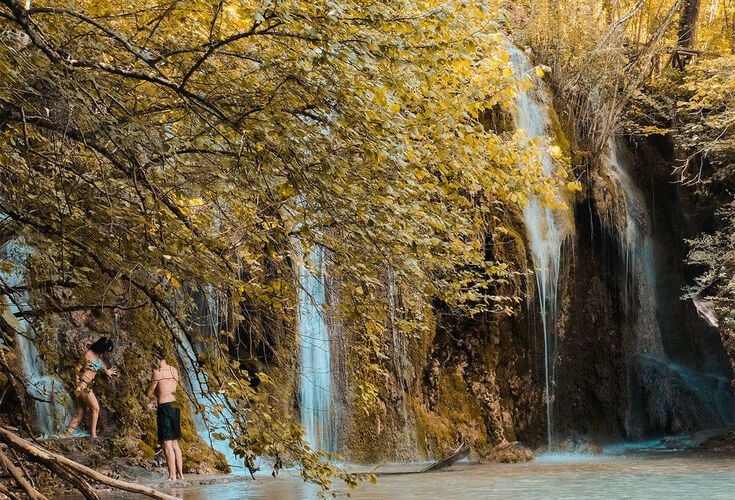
169	422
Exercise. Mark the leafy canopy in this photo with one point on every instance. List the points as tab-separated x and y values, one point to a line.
155	147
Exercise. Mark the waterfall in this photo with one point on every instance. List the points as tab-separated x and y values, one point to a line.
670	391
637	251
212	415
315	377
543	229
52	403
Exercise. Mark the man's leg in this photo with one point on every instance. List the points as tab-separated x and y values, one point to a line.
179	460
168	449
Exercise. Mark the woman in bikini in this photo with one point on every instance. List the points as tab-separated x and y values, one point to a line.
86	373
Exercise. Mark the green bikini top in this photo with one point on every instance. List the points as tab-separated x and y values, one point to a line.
94	365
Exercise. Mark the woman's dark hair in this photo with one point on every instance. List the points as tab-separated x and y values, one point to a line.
102	345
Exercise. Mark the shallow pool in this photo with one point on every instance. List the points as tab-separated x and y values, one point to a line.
636	476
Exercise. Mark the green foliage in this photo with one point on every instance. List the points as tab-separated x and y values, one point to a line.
707	135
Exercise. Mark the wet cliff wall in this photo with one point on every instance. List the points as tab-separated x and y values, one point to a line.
480	379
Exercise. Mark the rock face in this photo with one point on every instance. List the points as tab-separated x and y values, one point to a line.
616	373
636	360
590	365
670	404
631	361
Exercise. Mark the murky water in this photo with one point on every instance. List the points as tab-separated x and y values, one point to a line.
652	476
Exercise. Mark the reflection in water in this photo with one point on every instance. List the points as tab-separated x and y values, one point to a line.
670	476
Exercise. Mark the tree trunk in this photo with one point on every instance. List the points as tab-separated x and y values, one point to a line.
687	33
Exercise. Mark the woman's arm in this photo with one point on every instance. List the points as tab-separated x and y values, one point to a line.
109	371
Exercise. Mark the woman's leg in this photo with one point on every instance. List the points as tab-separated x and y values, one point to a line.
179	460
168	449
94	412
77	418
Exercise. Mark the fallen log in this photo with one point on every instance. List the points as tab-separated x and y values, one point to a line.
444	463
75	480
55	461
17	474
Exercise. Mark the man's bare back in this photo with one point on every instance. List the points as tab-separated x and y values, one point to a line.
164	381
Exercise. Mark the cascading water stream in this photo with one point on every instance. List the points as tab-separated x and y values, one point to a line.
52	403
211	421
708	390
211	418
637	250
315	378
545	235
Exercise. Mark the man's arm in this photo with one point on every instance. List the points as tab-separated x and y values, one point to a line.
151	391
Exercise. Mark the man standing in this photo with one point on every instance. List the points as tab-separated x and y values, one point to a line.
162	390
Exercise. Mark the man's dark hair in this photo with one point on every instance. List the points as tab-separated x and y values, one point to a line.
159	352
101	346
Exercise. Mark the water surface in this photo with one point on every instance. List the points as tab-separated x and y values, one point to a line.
637	476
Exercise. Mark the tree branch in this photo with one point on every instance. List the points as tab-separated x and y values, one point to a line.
49	459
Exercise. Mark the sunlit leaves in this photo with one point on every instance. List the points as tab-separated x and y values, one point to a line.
171	146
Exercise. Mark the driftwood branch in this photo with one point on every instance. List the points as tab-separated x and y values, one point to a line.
56	462
75	480
17	474
5	491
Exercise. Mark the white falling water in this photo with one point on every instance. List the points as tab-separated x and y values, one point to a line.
710	390
213	414
315	378
637	250
545	233
52	404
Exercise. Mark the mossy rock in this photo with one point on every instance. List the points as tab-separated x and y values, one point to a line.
457	416
508	453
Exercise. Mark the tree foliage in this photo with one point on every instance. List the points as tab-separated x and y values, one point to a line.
150	149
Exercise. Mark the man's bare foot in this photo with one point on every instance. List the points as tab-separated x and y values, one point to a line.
179	476
171	479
